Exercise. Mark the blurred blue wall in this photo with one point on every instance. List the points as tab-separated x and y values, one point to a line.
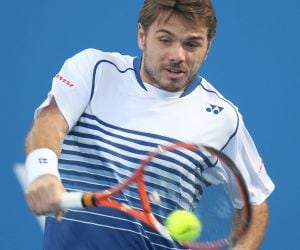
254	61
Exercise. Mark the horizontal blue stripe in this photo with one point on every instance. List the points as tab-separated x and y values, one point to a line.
102	182
116	145
111	151
170	171
108	170
129	131
117	226
100	129
128	196
138	160
88	177
140	142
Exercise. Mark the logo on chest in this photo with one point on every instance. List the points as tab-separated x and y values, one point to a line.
214	109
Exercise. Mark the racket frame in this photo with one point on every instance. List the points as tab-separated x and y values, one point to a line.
87	199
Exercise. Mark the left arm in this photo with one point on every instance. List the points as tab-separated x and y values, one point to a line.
256	231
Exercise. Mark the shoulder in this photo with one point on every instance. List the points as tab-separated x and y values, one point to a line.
95	57
214	96
211	91
227	114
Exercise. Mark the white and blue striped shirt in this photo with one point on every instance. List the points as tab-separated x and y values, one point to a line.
114	120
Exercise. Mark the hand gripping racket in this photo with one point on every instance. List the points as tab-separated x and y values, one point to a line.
224	210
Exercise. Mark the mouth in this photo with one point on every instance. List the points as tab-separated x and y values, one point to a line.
175	73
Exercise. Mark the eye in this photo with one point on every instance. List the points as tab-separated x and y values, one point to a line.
194	44
165	40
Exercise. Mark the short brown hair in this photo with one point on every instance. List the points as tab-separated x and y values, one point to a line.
193	11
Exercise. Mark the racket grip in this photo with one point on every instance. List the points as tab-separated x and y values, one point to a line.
71	200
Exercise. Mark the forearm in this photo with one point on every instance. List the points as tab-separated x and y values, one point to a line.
255	234
48	130
42	146
43	135
43	143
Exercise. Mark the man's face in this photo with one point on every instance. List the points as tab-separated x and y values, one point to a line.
172	53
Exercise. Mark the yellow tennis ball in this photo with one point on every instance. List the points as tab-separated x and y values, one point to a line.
183	226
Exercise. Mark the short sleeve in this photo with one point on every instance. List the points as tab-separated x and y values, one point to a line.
72	86
242	150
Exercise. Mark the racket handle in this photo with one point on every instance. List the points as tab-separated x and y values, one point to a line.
71	200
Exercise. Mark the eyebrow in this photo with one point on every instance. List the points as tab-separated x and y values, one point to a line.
199	37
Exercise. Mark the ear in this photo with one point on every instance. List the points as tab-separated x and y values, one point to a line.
141	37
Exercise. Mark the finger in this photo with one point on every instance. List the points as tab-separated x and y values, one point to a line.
33	202
43	196
44	201
59	214
29	200
41	201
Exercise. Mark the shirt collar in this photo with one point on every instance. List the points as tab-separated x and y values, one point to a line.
137	62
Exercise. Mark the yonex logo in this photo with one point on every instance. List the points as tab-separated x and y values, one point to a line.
214	109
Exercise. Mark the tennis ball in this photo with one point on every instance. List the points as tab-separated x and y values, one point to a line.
183	225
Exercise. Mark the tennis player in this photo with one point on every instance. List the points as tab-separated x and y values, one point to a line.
105	110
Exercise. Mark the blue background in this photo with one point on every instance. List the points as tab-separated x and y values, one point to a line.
254	61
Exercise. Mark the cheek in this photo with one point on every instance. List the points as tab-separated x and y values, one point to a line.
154	57
195	61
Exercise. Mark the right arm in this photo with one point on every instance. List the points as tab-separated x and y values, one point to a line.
49	129
71	88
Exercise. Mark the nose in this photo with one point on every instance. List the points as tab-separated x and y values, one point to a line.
177	53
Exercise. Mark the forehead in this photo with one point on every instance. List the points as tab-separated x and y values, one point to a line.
179	25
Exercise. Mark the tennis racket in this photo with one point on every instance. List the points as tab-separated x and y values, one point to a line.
223	209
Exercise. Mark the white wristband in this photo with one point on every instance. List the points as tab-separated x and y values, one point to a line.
40	162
